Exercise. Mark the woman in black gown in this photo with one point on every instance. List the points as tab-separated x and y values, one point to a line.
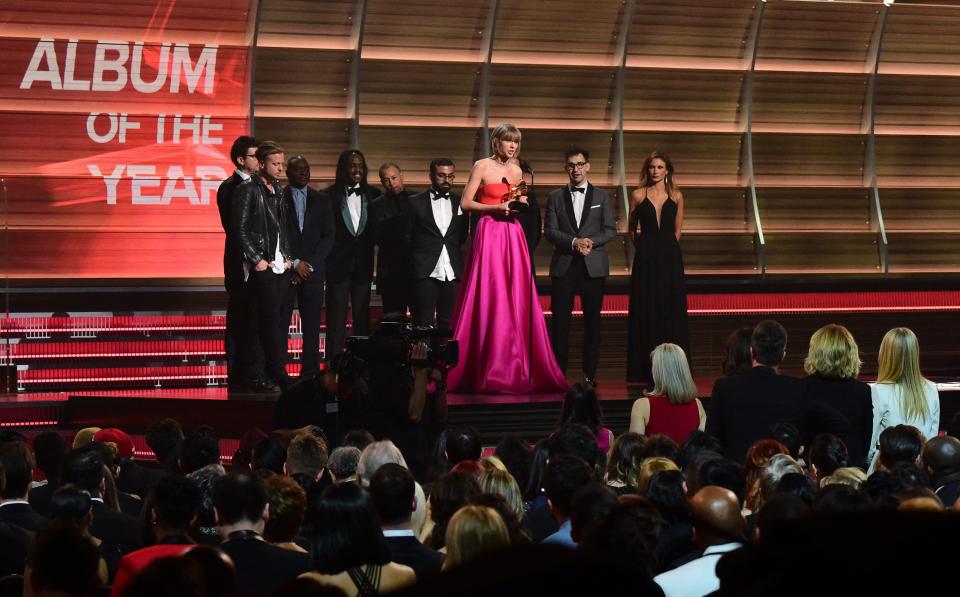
658	299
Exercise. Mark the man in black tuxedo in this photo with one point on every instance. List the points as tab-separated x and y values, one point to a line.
310	220
16	465
744	407
391	218
84	468
437	232
244	354
240	504
579	223
260	224
350	262
393	495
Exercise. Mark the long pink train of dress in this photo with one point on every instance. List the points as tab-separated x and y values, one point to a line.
495	308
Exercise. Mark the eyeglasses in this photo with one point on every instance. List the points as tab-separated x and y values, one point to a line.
445	176
251	155
576	165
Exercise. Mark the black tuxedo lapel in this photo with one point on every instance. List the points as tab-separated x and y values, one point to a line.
587	202
568	204
452	228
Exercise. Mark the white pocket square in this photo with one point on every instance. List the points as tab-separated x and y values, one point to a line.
595	206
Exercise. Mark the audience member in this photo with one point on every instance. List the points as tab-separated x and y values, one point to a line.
131	477
827	454
835	401
393	495
518	534
350	551
462	444
911	475
515	453
533	496
50	450
697	442
473	532
665	490
201	448
839	498
240	503
626	539
342	463
653	465
358	438
205	530
744	407
718	528
288	504
16	464
779	510
84	437
590	506
901	444
376	455
662	445
306	455
565	475
882	488
902	395
16	543
798	485
582	406
449	493
165	438
623	466
919	498
171	509
756	460
502	483
63	561
84	468
941	457
736	359
721	472
269	454
671	408
789	436
776	468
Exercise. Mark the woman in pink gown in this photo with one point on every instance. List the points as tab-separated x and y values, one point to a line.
504	347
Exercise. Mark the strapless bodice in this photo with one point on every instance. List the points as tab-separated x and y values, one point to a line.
492	193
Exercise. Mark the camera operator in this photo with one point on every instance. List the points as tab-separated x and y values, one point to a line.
408	403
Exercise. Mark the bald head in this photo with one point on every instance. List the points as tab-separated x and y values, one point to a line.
941	455
716	516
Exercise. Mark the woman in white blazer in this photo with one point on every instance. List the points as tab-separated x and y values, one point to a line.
902	396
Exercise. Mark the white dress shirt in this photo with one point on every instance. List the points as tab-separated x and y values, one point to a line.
442	216
354	205
695	578
578	199
242	174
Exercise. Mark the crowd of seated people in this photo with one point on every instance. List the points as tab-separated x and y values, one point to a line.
825	472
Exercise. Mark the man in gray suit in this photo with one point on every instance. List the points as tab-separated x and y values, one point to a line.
579	224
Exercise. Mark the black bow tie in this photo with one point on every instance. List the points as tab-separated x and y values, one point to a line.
355	190
577	190
439	195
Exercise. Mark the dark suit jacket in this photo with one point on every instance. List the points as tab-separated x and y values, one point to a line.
39	498
115	528
264	568
314	243
232	256
391	218
15	542
351	256
138	479
426	242
23	516
426	562
843	407
744	407
596	223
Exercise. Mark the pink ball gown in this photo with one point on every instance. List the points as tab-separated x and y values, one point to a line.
498	314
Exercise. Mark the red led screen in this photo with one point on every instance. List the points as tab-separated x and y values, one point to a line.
116	128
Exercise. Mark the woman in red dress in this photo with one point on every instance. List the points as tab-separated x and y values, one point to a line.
672	407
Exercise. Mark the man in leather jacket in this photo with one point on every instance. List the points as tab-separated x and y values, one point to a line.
259	224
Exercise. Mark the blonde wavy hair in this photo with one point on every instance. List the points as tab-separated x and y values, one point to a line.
833	353
899	364
671	374
847	475
501	482
507	132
